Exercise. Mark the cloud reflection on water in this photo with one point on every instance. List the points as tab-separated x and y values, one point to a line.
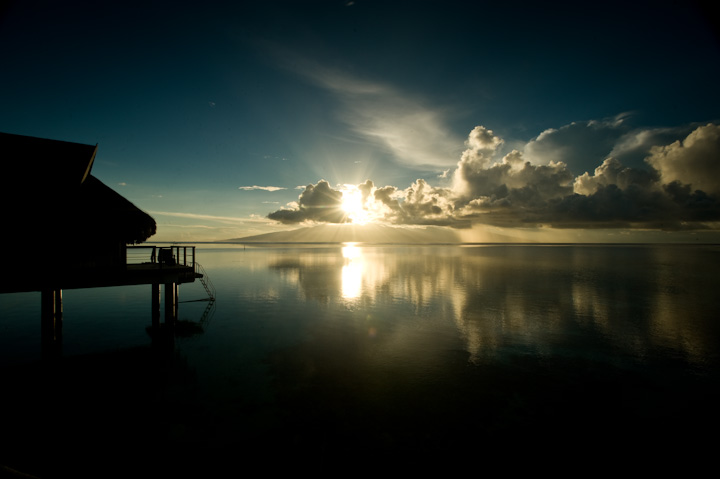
542	299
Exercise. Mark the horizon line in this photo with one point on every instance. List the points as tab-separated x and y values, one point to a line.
441	243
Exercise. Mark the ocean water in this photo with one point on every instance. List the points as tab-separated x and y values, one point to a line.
337	351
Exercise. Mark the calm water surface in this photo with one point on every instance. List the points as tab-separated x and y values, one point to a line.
380	350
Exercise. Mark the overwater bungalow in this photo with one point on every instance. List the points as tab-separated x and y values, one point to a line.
66	229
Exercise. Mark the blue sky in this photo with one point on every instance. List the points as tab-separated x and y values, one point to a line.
229	119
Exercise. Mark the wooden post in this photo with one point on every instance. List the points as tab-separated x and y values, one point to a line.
155	304
170	303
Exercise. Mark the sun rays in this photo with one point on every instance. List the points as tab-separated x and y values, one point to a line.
356	207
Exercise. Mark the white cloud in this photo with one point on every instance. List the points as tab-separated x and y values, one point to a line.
694	161
482	145
264	188
199	216
413	132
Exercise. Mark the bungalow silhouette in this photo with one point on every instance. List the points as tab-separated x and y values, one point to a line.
58	214
66	229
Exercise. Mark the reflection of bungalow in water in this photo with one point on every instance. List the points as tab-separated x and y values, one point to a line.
64	228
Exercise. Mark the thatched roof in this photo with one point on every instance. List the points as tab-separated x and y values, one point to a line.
108	211
51	162
49	191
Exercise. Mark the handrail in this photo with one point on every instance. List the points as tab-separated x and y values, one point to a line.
205	280
162	255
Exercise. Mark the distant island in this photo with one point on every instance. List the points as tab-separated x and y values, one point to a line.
347	233
387	234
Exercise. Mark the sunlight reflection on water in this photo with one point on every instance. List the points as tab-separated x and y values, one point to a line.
352	271
423	338
540	299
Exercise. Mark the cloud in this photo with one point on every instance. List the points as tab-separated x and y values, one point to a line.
414	133
221	219
482	145
677	187
634	146
419	204
511	192
319	203
612	172
365	190
612	206
517	192
582	145
678	190
264	188
513	180
193	226
694	161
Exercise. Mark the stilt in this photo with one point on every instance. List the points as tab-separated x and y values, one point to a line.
155	304
51	311
171	303
177	300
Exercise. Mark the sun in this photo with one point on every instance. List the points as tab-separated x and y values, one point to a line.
352	205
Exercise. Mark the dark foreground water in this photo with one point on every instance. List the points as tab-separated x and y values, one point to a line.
370	358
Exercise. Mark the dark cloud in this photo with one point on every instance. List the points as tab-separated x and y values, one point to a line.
612	172
512	174
694	206
387	196
635	146
509	192
582	145
671	207
319	203
678	189
609	206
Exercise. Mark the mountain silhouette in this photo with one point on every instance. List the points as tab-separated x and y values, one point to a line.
346	233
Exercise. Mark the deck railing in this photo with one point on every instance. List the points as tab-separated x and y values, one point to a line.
163	255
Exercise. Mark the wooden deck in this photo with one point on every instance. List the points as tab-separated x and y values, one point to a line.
163	267
153	265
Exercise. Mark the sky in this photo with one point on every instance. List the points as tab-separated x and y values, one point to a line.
552	121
